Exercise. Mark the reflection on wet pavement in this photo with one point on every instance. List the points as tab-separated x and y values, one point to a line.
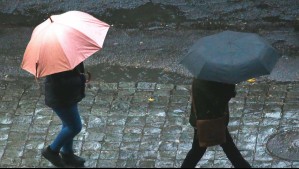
112	73
144	124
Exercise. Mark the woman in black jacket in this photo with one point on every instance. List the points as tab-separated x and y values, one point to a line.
63	91
211	101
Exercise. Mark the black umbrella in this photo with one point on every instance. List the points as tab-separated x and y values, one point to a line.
230	57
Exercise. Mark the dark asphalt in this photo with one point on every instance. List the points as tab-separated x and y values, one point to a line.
144	50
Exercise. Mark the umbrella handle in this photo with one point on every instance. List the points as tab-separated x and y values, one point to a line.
89	77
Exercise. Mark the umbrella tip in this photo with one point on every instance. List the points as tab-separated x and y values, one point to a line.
51	19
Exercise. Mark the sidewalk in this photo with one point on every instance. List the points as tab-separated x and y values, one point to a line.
123	128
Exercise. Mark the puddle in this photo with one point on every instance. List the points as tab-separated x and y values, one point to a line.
144	15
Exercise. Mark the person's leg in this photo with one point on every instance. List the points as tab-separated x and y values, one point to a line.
195	154
67	148
72	126
233	153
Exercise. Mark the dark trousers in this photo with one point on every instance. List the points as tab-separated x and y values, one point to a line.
229	148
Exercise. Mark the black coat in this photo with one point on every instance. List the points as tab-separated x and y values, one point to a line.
65	88
210	100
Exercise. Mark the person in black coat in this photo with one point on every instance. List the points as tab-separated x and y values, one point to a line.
211	100
63	91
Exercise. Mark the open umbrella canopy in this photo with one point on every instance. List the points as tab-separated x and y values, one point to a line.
63	41
230	57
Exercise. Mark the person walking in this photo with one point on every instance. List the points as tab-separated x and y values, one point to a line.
210	100
63	91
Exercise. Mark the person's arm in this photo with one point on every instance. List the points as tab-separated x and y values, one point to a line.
86	74
82	68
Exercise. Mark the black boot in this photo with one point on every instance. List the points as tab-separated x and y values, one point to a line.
72	159
53	157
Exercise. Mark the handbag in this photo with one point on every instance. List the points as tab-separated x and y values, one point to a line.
211	132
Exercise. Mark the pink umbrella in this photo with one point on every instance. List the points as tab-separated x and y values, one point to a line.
62	42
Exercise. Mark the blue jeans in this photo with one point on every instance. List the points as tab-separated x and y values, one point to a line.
71	126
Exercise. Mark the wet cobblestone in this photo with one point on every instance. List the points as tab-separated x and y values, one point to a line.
123	128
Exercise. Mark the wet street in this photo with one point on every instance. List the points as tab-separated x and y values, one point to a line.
136	110
123	127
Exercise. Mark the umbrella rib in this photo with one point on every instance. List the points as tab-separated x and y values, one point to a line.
37	61
90	40
44	41
83	37
68	63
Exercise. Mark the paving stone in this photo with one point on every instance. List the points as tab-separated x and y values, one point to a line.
108	86
146	164
146	86
165	86
122	128
106	164
127	85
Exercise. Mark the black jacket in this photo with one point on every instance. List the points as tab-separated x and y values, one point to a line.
210	99
65	88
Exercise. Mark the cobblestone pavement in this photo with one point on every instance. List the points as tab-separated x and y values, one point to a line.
123	128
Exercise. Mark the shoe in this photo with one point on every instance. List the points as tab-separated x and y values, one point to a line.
53	157
72	159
